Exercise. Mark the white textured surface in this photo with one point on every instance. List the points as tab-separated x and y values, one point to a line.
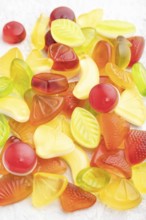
26	11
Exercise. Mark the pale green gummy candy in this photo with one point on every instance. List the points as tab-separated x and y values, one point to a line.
4	130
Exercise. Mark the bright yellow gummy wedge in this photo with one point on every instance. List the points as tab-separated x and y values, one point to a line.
38	63
6	60
89	77
114	28
91	18
120	194
47	187
50	142
85	128
77	160
131	107
139	177
39	31
67	32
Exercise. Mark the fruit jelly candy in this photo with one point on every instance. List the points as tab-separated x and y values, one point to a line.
48	40
103	97
47	187
63	56
4	130
28	97
13	32
45	108
137	48
112	161
6	86
139	177
19	159
114	130
122	52
49	83
14	188
106	79
74	198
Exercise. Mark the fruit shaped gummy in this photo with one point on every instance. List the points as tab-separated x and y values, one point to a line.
91	18
38	63
24	131
114	130
89	77
106	79
85	128
14	188
67	32
114	28
137	48
6	86
13	32
39	31
19	159
122	52
120	194
52	165
135	146
45	108
131	107
113	161
14	107
49	83
74	198
50	142
47	187
139	177
21	75
48	40
103	97
4	130
6	60
139	77
93	179
77	160
28	97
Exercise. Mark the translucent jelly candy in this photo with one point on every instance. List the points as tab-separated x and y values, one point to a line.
53	165
131	107
74	198
13	32
114	28
89	77
50	142
14	188
118	76
103	97
122	52
91	18
38	63
137	47
21	75
6	60
48	40
28	96
19	159
114	130
49	83
77	160
135	147
139	77
106	79
120	194
47	187
85	128
24	131
45	108
4	130
139	177
93	179
67	32
6	86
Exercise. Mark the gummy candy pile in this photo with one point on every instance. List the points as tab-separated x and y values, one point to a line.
78	95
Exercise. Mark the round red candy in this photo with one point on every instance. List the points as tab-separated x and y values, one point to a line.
103	97
13	32
19	159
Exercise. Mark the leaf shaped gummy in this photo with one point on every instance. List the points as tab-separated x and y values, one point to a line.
4	130
6	86
139	177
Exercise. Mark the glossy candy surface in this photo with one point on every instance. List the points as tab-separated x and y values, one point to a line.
139	177
4	130
6	86
48	40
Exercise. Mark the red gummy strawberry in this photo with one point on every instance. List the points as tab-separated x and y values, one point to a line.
74	198
135	146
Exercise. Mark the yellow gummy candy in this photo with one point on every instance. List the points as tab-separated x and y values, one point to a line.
139	177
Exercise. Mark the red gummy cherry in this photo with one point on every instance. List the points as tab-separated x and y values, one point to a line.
19	159
13	32
103	97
